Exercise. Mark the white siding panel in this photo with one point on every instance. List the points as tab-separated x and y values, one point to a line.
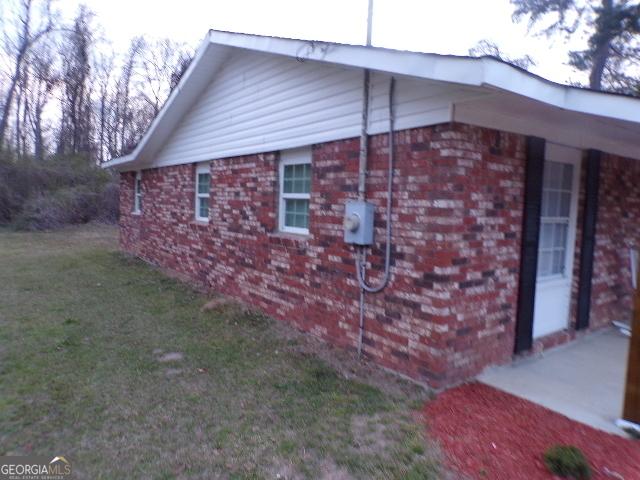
260	102
416	102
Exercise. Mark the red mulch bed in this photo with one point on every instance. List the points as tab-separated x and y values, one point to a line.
489	434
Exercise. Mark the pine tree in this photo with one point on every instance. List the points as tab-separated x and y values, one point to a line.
612	56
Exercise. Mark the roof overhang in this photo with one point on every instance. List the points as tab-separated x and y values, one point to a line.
485	72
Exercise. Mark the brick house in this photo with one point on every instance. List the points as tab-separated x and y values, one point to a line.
514	212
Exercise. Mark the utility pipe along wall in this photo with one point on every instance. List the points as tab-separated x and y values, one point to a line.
361	250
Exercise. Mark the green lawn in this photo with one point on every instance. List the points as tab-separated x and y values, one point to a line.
84	330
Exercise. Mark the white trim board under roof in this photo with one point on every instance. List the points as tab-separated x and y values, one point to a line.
490	77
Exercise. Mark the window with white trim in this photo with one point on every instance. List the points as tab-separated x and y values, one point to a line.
203	187
555	217
295	190
137	193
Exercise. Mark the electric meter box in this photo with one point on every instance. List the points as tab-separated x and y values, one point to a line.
358	222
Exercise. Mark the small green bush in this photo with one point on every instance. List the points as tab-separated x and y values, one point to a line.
567	461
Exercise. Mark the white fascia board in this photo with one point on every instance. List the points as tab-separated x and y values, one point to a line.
485	71
114	162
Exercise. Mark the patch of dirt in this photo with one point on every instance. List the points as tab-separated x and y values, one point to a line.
347	363
370	433
283	470
218	302
171	357
330	471
488	434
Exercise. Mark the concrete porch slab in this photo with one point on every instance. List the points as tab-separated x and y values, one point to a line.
583	380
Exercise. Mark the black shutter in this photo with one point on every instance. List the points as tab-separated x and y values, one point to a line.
588	238
530	235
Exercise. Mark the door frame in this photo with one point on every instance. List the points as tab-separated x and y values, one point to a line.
573	156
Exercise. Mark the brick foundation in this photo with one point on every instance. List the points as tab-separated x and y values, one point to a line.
449	309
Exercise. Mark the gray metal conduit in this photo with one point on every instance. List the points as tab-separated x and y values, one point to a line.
387	256
361	252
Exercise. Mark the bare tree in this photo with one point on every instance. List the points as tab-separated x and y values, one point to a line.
106	100
123	111
30	27
162	66
103	105
45	79
22	107
179	68
75	124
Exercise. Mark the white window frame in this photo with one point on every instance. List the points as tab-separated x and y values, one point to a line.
137	193
292	157
200	169
574	159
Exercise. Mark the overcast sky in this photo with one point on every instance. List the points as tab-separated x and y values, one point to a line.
444	26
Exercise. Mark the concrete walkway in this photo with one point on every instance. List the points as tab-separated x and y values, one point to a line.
583	380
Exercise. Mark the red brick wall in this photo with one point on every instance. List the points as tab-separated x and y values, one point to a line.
449	309
617	231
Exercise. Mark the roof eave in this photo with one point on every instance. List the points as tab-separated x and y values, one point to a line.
119	161
484	72
477	72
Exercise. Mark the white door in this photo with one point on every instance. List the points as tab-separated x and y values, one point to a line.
557	239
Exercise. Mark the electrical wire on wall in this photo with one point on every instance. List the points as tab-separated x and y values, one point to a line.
360	251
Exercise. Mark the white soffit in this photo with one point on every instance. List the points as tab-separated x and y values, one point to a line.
513	113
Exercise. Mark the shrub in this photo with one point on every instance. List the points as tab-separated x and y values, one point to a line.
37	195
52	210
109	203
567	461
13	187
